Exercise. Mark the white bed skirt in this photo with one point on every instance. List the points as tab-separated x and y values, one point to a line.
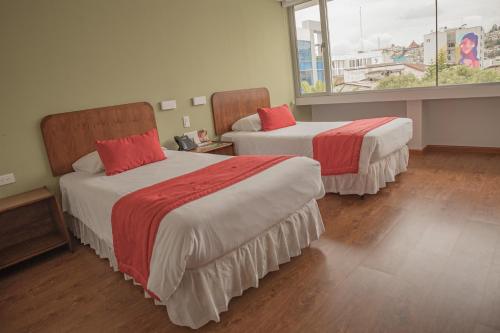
205	292
379	173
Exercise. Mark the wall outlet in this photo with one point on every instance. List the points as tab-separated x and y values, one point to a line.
168	105
186	122
200	100
7	179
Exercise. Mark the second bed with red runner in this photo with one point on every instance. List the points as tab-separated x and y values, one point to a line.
338	150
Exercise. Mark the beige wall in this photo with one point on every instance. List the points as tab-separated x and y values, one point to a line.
65	55
455	122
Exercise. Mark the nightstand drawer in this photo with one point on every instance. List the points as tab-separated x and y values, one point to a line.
223	151
217	147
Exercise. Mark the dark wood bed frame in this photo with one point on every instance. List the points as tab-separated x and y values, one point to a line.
230	106
70	135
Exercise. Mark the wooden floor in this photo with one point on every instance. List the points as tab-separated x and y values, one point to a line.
423	255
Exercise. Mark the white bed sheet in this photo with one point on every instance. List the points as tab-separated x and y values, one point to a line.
202	230
297	140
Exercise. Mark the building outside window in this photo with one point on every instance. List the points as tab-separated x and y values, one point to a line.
391	44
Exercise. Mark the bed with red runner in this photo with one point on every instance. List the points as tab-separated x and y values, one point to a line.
357	157
195	230
136	217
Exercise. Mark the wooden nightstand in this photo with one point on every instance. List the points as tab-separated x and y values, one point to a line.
216	147
31	223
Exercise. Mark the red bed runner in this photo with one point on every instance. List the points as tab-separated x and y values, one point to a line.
338	150
136	217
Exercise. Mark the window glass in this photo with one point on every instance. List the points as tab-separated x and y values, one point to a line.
468	42
309	48
381	44
395	44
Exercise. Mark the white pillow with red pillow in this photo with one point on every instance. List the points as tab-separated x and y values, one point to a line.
90	163
248	124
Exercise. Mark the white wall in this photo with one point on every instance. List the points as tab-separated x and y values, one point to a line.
463	122
454	122
352	111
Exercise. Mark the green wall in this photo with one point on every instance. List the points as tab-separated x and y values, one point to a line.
66	55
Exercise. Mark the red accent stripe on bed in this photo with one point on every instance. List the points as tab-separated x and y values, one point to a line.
338	150
136	217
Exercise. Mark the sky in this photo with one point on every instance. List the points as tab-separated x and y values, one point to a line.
399	22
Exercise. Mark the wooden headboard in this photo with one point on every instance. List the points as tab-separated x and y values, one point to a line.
70	135
230	106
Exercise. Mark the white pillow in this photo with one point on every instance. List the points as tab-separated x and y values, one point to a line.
90	163
248	124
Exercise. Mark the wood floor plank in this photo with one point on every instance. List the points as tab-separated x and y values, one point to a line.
490	307
478	239
485	329
443	233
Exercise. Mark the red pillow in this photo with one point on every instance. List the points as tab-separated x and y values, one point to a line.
277	117
130	152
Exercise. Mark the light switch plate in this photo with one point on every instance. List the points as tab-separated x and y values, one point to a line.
7	179
199	100
186	122
168	105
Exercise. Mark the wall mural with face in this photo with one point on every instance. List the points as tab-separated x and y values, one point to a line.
468	49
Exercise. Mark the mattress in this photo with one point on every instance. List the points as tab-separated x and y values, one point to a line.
297	140
203	230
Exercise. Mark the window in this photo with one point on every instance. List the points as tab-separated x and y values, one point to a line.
393	44
309	40
388	50
474	35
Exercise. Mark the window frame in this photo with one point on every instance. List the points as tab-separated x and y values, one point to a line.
325	49
469	90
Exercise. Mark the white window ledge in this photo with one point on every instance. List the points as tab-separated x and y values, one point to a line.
407	94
